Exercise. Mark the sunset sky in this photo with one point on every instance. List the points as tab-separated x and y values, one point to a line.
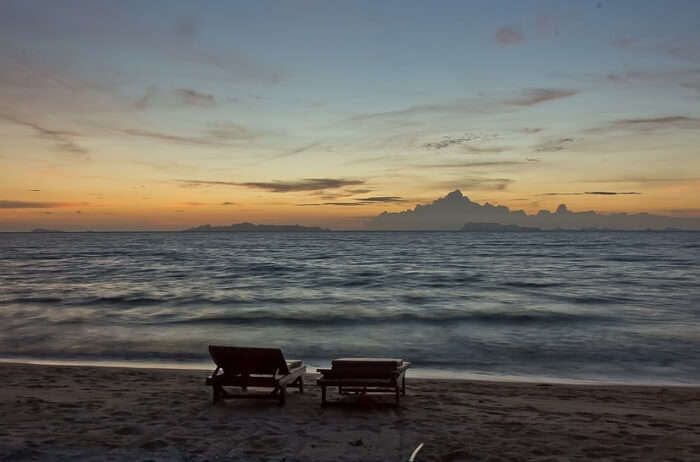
132	115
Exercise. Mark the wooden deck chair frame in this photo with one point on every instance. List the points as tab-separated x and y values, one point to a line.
245	367
359	380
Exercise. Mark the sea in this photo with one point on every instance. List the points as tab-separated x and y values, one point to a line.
598	307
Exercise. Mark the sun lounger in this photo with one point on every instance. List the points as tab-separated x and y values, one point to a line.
253	367
365	375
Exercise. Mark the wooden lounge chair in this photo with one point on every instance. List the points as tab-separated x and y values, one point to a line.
253	367
365	375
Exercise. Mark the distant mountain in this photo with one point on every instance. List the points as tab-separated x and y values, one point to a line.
42	230
251	227
496	227
451	212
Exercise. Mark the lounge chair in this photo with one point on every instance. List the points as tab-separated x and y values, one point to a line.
253	367
365	375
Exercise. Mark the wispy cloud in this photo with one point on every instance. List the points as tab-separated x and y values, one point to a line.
686	48
10	204
594	193
486	149
232	132
186	28
474	164
358	202
531	130
657	123
62	139
307	184
644	180
190	97
381	199
179	139
172	99
554	145
525	98
533	96
448	141
477	184
509	35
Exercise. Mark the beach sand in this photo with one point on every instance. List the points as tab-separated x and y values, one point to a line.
104	413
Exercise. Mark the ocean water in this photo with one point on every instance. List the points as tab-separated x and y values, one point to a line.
600	306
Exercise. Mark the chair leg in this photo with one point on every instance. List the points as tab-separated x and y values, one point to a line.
403	385
323	395
283	395
214	394
301	385
398	395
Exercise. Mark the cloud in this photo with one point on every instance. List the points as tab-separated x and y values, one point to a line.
509	35
359	201
477	184
657	123
307	184
345	204
197	183
147	99
692	86
594	193
186	28
178	98
178	139
303	148
527	97
486	149
9	204
381	199
62	139
475	164
553	145
531	130
448	141
645	180
686	48
610	193
232	132
238	66
454	210
533	96
191	97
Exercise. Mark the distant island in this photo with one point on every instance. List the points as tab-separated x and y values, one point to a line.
497	227
42	230
251	227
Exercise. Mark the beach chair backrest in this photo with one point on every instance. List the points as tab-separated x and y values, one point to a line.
248	360
366	367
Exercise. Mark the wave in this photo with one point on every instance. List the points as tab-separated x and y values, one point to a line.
363	318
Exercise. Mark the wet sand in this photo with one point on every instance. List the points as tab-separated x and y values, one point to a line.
108	413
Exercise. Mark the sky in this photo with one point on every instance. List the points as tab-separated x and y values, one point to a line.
132	115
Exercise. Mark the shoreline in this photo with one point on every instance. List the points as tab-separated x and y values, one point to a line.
115	413
414	372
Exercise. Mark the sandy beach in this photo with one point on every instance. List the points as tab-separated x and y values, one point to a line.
109	413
